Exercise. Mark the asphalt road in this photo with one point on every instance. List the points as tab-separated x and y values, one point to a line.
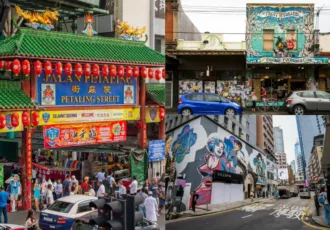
275	215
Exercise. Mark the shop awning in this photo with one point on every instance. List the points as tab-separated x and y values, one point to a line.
156	92
287	60
13	97
39	44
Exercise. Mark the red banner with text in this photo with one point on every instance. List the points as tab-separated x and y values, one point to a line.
59	136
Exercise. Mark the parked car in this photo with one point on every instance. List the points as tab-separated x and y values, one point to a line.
300	102
284	193
83	223
64	211
207	104
12	227
294	193
305	193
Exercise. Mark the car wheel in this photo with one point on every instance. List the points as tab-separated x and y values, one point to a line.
230	112
186	112
299	110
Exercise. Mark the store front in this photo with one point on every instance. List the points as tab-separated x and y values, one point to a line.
87	99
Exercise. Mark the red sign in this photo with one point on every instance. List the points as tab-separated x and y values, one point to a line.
29	154
59	136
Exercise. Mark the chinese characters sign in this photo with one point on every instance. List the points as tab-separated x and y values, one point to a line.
59	136
84	90
82	116
29	154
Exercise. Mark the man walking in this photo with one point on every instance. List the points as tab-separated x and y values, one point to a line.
133	186
3	204
151	207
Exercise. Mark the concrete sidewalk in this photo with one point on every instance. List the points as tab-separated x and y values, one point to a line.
320	220
19	217
214	208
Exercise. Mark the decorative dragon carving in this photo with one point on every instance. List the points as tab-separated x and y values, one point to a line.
128	32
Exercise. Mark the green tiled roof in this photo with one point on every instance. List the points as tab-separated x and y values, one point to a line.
60	45
157	92
13	97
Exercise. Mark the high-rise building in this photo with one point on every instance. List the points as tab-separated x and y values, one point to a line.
278	140
308	127
281	162
265	134
300	172
293	167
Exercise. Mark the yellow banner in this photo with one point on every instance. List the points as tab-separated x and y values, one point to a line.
82	116
152	115
9	127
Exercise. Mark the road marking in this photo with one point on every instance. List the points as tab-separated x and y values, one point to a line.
246	216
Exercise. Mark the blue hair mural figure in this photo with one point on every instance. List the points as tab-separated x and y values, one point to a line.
260	168
184	141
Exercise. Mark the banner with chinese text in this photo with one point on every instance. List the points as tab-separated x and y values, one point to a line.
83	116
59	136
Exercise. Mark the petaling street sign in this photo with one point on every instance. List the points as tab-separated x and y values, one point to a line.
287	60
84	116
73	90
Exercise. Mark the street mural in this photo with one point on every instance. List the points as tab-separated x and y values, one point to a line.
201	146
292	33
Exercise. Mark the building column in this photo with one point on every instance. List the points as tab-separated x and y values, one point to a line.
27	169
143	130
161	130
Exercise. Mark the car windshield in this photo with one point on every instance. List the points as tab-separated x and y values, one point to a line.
225	100
60	206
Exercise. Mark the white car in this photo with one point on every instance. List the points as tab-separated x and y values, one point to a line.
305	193
64	211
12	227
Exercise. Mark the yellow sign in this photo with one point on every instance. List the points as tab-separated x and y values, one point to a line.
82	116
9	126
152	115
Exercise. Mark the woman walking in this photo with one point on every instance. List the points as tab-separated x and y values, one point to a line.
276	194
37	194
31	222
254	100
161	196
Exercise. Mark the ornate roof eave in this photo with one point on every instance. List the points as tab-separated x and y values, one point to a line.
79	61
205	52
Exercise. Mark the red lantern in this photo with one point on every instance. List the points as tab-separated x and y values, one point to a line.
16	67
129	71
158	74
144	72
25	119
105	70
87	70
136	72
48	68
151	73
14	119
2	65
79	70
3	121
58	69
113	71
162	113
121	71
163	74
37	68
35	118
68	69
8	66
26	67
96	70
139	124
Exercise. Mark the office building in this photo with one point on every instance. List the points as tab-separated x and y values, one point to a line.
278	140
265	134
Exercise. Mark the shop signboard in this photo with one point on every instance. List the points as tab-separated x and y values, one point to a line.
283	174
152	115
223	176
84	116
29	154
9	127
287	60
53	90
156	150
59	136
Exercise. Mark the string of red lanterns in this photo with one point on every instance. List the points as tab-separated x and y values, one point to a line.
25	68
15	119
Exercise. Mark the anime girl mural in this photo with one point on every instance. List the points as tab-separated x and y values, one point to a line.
221	156
260	165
